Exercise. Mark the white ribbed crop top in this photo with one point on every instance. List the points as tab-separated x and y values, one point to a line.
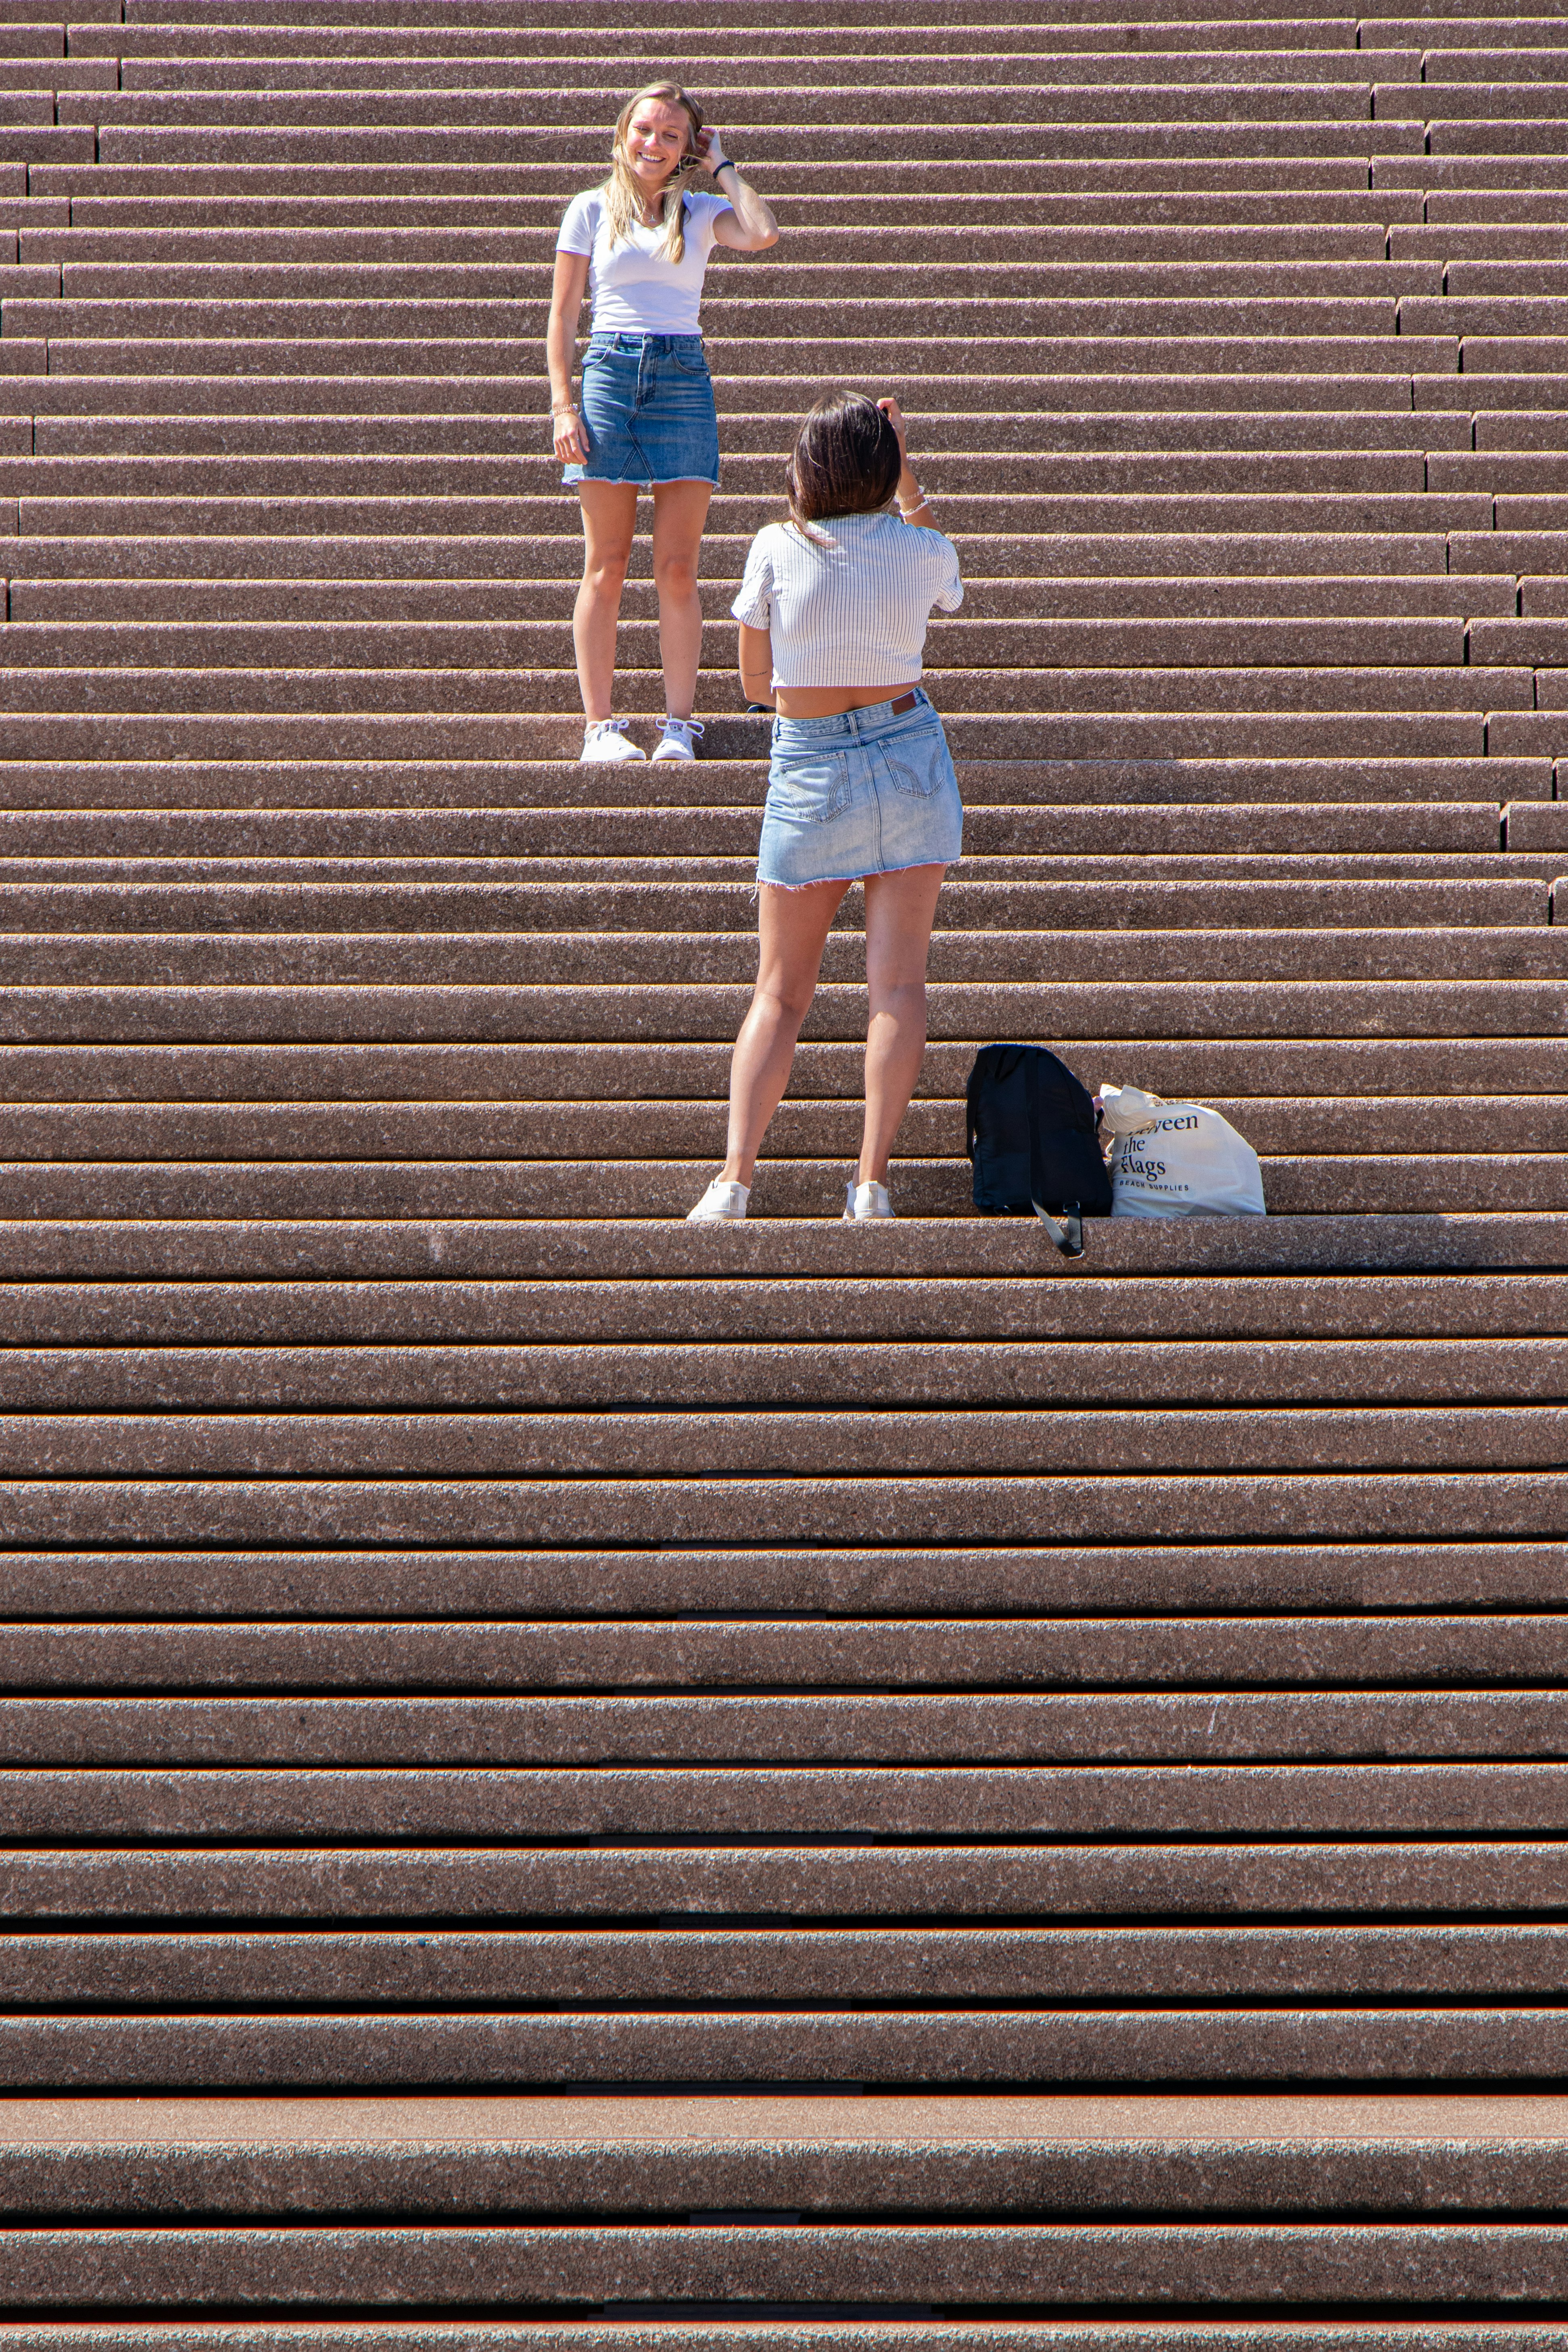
852	612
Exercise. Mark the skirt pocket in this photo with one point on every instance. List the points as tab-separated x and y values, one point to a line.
809	790
918	761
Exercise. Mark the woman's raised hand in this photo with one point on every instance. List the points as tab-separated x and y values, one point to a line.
710	150
895	416
571	437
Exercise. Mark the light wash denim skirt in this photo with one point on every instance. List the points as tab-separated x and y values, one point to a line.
870	792
647	402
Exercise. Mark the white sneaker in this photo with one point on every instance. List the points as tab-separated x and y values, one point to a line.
675	742
863	1200
603	739
722	1204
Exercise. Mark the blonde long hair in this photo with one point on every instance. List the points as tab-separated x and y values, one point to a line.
623	195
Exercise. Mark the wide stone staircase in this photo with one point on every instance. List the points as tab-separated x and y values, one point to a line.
573	1780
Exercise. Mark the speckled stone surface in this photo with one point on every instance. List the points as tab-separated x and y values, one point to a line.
572	1779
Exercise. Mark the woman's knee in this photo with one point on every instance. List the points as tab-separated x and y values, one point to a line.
901	995
675	575
786	997
605	570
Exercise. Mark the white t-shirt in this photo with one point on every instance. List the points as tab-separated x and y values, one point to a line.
635	291
853	613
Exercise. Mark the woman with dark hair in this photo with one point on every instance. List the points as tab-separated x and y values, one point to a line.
832	610
639	246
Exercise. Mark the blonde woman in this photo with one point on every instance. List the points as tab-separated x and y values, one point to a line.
638	245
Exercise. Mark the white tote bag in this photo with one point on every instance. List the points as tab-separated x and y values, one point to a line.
1177	1160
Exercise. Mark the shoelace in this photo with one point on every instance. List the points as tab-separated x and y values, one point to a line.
608	726
687	727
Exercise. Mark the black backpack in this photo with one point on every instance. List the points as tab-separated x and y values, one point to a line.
1031	1138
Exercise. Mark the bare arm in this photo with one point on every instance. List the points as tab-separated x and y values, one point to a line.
561	351
748	226
912	504
757	665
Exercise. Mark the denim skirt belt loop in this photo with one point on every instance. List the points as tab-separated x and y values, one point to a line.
647	402
866	792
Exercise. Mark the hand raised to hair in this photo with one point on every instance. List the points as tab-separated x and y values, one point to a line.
895	416
711	152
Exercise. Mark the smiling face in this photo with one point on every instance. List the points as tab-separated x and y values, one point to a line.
657	137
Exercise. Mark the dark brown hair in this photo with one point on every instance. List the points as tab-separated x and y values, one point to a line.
845	461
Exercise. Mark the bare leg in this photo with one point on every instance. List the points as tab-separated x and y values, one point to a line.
609	518
900	911
679	512
792	930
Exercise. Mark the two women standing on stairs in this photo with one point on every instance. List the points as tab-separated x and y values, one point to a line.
640	246
832	610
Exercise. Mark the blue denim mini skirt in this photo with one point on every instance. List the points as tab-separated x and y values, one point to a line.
647	402
868	792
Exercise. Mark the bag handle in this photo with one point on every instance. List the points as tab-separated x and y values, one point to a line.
1068	1235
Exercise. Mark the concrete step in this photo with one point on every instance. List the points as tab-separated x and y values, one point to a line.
1356	1651
1068	735
75	601
1526	429
1335	513
511	556
554	178
647	1129
461	475
516	2154
1244	829
172	784
592	1967
158	125
1207	894
995	648
1013	266
1155	1798
448	434
1303	1185
651	1734
736	320
1382	397
771	2047
1126	1250
1314	991
960	685
817	196
178	48
1297	355
1476	954
870	239
715	59
959	1289
129	691
790	1880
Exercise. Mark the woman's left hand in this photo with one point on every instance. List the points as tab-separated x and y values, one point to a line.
710	150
